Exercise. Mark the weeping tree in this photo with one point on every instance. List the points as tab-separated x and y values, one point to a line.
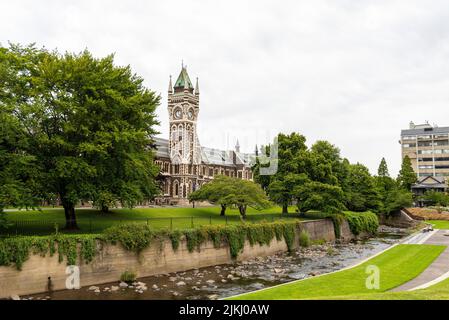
85	123
226	192
215	192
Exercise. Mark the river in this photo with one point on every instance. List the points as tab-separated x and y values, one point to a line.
227	280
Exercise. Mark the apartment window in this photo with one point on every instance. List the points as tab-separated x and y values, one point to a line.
426	151
424	144
423	174
442	167
424	137
425	159
408	138
426	167
409	145
440	143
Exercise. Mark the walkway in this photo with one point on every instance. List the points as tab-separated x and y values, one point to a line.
438	270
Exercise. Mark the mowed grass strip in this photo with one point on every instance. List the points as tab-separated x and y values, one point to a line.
439	291
397	265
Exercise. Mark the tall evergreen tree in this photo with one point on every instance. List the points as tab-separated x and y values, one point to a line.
382	171
407	177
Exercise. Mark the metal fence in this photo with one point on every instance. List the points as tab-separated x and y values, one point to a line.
98	224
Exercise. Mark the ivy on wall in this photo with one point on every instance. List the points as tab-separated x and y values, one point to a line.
137	237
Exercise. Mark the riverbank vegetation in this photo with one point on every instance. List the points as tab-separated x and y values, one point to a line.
137	237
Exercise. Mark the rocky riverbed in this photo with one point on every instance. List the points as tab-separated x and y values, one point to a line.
227	280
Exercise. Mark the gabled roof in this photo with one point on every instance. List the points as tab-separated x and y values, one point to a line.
208	155
183	79
430	182
216	156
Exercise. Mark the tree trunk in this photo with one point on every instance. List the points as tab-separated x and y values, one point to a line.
285	208
70	217
223	210
105	209
242	210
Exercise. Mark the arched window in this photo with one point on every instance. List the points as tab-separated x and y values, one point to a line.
175	189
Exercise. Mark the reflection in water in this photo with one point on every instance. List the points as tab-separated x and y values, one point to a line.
227	280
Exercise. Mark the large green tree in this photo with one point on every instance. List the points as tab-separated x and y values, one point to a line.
291	167
361	193
407	177
18	171
87	125
319	196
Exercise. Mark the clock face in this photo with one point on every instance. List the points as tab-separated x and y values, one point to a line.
178	113
190	114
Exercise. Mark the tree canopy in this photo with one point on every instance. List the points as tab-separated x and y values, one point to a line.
82	124
227	191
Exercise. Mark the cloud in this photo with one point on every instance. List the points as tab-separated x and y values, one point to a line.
351	72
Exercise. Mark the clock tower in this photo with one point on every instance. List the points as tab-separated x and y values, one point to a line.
183	108
184	148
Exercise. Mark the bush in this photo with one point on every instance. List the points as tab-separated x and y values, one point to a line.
128	277
304	238
133	236
362	222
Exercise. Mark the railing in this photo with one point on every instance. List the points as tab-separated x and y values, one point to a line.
98	224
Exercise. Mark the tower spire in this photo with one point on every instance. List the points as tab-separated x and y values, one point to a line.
197	87
170	87
237	146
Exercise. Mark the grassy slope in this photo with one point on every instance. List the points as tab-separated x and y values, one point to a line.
397	266
439	224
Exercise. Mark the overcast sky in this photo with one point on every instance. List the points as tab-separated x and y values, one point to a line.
351	72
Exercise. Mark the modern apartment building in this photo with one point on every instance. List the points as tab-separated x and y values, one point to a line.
428	148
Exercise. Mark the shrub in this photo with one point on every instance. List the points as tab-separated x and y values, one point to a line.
133	236
128	276
304	238
362	222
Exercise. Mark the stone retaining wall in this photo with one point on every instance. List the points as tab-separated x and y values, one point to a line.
113	260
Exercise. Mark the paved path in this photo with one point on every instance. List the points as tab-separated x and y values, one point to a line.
437	270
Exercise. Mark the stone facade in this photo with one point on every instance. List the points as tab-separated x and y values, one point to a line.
186	165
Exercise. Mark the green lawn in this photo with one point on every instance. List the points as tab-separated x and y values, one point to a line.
439	224
397	266
439	291
34	222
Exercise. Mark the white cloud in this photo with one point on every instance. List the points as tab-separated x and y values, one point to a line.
352	72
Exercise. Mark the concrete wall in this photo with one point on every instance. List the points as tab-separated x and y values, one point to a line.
111	261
